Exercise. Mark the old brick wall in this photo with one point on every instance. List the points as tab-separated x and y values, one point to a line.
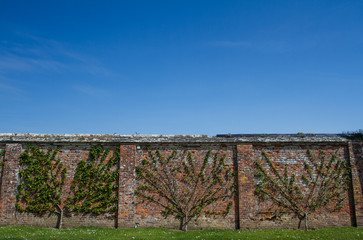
148	215
257	214
127	183
355	155
9	183
70	155
2	148
247	211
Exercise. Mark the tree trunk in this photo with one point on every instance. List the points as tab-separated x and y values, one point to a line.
306	221
299	225
186	224
181	224
60	218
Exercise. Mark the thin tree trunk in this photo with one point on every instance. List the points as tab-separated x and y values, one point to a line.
181	224
299	225
306	221
186	224
60	217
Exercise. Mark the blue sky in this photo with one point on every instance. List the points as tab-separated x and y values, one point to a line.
181	67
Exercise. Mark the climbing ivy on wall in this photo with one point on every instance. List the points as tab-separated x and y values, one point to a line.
42	177
95	184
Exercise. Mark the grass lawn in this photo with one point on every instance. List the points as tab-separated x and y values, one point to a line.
89	233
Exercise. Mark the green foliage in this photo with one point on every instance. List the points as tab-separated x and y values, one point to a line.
323	182
354	135
42	178
182	186
95	184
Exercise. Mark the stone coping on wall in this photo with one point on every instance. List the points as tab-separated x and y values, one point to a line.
129	139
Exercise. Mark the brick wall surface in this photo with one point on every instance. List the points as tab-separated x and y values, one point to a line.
148	215
70	155
247	211
9	183
2	148
355	149
257	214
127	183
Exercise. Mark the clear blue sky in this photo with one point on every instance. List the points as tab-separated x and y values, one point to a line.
181	67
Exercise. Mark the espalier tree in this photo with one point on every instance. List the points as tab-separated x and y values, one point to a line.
42	178
322	183
182	186
95	183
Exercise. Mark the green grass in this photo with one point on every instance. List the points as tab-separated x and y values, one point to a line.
89	233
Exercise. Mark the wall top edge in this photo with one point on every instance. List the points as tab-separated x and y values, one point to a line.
228	138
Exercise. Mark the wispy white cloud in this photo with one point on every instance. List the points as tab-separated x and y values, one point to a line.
9	91
9	88
36	54
268	45
11	62
230	44
92	91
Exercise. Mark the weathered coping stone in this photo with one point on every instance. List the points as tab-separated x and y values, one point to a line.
127	139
